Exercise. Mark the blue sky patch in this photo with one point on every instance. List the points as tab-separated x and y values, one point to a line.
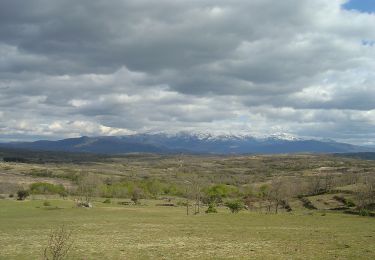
368	42
367	6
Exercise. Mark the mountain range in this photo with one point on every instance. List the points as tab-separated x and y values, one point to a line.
190	143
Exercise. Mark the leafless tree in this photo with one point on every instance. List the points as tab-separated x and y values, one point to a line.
193	192
328	181
88	187
315	184
278	194
197	194
59	244
366	194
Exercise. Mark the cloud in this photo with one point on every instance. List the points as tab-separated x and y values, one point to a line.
262	66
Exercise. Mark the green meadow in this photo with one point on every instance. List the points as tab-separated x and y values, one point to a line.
148	231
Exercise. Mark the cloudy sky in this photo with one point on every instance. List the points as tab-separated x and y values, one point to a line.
98	67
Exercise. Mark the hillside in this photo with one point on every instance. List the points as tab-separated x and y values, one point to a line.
189	143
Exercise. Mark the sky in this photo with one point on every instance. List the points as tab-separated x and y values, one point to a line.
260	67
361	5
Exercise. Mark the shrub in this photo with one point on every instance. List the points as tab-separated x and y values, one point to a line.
216	193
46	188
285	205
107	201
350	203
22	194
346	202
15	159
64	194
70	176
307	203
171	189
124	203
136	195
41	173
11	195
364	212
181	203
211	208
83	204
59	244
234	206
46	203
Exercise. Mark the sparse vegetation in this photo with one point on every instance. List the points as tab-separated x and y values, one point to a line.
158	189
107	201
46	188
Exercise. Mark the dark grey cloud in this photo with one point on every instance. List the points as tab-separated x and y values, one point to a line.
96	67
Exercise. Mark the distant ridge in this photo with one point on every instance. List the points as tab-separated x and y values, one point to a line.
190	143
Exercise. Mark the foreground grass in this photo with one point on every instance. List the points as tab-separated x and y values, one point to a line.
151	232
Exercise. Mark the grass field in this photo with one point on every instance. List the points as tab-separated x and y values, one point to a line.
112	231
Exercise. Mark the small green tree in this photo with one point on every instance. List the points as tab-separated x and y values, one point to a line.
211	208
234	206
216	193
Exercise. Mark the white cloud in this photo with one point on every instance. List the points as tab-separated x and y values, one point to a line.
299	66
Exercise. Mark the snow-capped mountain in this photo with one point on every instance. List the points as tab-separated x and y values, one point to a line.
183	142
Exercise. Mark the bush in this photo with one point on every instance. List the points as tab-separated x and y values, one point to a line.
83	204
307	203
124	203
181	203
46	203
350	203
211	208
15	159
346	202
11	195
41	173
216	193
107	201
136	195
364	212
22	194
285	205
59	244
47	188
234	206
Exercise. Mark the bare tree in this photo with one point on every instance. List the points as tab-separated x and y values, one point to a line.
263	195
315	184
193	192
59	244
366	195
328	181
197	192
88	187
278	195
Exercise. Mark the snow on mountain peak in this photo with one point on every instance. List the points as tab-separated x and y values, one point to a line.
227	136
284	136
